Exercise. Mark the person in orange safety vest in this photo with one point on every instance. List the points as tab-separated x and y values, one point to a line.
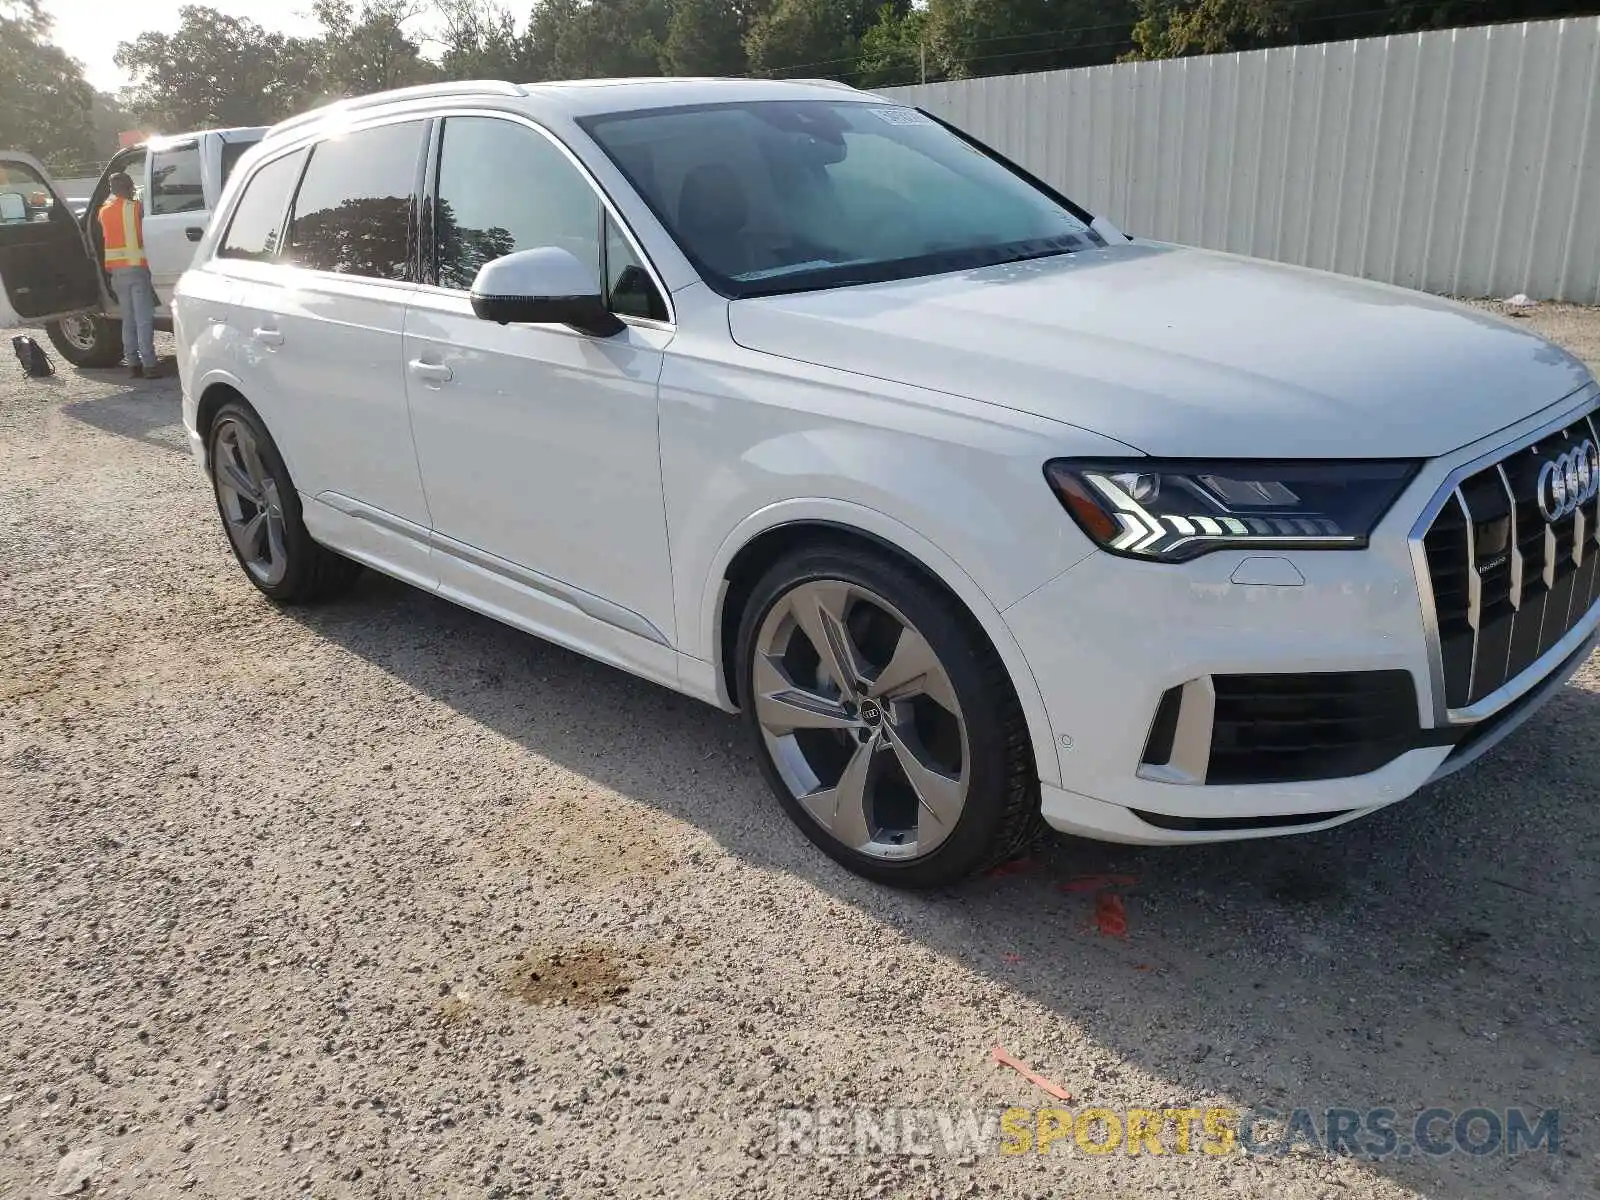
122	230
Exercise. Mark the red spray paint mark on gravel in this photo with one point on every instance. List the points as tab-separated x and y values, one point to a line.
1015	866
1110	916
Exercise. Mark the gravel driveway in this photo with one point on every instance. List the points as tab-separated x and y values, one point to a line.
385	900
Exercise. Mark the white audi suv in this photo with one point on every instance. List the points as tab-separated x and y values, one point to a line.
802	402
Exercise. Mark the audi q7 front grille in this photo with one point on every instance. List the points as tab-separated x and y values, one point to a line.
1512	559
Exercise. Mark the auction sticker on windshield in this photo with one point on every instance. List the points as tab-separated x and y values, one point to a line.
901	116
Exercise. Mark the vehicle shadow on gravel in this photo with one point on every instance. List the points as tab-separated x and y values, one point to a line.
147	411
1441	953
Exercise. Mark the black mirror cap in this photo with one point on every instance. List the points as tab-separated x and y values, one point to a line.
194	233
587	314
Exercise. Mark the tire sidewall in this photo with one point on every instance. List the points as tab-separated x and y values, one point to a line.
107	348
953	640
297	543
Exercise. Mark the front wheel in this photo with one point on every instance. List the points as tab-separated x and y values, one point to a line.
884	720
87	339
260	510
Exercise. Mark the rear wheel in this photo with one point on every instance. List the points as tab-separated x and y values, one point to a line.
87	339
260	510
884	721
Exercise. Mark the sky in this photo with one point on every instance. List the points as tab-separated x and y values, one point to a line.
89	30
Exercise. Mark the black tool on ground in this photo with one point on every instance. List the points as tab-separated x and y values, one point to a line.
32	356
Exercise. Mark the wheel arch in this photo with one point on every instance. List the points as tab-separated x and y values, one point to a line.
212	397
767	537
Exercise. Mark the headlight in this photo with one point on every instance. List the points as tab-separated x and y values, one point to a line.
1176	509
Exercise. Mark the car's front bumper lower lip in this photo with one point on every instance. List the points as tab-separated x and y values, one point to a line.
1444	750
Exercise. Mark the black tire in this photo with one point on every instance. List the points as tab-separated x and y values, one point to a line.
1001	816
101	348
312	572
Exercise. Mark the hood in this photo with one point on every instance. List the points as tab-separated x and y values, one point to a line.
1185	353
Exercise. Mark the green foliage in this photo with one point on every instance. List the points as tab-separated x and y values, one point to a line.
44	100
1004	37
705	37
1169	28
593	39
893	51
809	37
480	41
109	120
216	70
370	50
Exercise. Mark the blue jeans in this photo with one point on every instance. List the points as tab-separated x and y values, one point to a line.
137	296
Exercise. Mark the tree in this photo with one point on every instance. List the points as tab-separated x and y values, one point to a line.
44	99
110	120
893	51
596	39
1169	28
705	37
480	41
809	37
370	51
463	250
216	70
1002	37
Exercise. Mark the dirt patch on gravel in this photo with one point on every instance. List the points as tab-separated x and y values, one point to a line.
588	975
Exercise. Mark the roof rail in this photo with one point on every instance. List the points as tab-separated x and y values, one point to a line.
833	83
463	87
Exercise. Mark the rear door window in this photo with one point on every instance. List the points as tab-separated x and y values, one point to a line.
353	213
175	184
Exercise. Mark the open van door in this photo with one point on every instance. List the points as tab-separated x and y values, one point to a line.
45	268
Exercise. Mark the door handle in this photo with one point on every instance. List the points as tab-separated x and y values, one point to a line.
432	372
267	337
194	233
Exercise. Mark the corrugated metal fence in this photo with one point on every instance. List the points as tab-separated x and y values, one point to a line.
1462	161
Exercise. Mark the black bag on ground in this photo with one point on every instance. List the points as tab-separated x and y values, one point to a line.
32	356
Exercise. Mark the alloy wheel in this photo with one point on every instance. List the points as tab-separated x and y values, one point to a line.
252	508
861	719
79	332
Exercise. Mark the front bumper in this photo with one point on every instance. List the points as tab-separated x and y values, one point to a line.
1109	638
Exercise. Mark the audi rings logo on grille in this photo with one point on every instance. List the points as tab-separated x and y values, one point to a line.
1569	480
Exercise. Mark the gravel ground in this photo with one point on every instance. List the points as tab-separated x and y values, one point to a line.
385	900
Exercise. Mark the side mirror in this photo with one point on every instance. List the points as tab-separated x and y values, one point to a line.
545	286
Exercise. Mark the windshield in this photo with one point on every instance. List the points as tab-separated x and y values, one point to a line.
785	195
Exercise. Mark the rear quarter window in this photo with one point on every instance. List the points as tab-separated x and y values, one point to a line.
254	234
232	152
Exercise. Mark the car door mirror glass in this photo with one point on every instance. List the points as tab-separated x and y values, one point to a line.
543	286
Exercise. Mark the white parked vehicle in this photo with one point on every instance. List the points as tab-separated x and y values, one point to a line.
50	251
799	401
